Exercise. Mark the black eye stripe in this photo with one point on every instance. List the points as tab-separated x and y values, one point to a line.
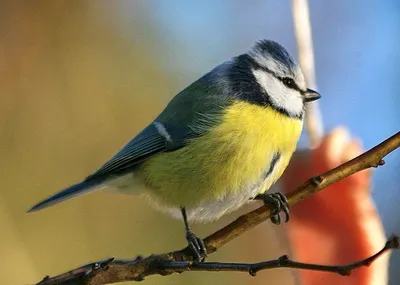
290	83
282	79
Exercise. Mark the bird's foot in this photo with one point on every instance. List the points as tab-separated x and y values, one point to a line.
197	246
278	203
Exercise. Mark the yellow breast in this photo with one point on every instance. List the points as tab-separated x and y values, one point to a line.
228	158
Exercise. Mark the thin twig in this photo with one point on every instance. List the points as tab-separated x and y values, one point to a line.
283	261
302	25
112	271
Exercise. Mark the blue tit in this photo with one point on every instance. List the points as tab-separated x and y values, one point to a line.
220	143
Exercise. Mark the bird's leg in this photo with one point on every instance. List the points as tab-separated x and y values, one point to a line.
278	203
196	244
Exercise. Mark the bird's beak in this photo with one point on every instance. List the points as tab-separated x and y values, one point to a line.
311	95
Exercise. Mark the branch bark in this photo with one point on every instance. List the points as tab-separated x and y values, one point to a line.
112	271
283	261
302	26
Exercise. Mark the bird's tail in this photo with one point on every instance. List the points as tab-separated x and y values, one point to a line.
70	192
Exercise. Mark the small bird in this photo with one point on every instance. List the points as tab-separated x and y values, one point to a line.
220	143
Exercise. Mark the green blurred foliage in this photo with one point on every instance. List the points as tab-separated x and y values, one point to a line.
72	92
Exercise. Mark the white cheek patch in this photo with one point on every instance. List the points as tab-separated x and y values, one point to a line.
280	95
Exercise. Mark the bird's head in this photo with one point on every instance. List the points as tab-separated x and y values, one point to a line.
277	79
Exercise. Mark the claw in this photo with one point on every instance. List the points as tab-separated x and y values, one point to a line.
278	203
197	246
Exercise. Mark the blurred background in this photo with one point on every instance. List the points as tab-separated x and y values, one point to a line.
80	78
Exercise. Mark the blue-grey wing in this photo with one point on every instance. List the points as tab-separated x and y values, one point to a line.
147	143
190	114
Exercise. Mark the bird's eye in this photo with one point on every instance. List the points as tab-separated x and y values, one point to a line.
289	82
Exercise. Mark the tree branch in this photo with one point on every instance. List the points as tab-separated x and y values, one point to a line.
111	271
283	261
302	26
